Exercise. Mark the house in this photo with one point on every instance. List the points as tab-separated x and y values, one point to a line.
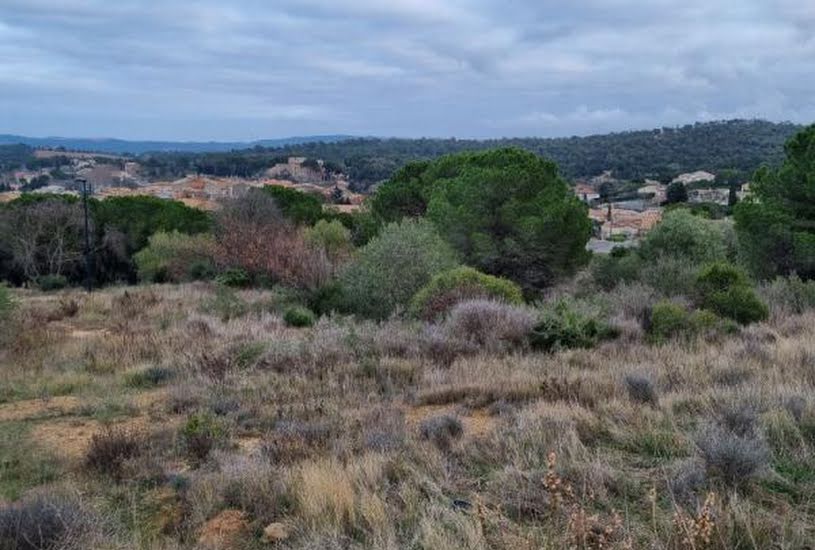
654	193
694	177
585	192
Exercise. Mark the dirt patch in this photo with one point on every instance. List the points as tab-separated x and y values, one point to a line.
70	438
224	531
34	409
476	424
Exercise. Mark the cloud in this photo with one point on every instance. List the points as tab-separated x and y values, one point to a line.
479	68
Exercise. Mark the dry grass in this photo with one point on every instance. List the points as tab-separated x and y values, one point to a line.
333	430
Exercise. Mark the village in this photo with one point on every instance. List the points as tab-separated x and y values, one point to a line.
620	218
113	176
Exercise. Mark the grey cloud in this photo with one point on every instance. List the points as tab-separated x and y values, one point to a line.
471	68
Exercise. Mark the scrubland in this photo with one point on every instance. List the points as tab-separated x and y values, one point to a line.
193	416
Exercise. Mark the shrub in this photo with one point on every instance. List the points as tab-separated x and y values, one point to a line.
725	290
109	450
234	277
393	266
641	390
667	320
299	317
681	234
670	275
441	430
489	324
789	295
200	434
226	304
561	327
176	257
253	234
732	458
462	283
621	266
149	377
48	283
334	239
43	523
7	303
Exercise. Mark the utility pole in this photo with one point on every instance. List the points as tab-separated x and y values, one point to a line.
88	259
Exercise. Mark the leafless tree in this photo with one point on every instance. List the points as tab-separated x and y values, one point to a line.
45	238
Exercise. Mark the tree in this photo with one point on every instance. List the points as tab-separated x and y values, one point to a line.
296	206
676	193
45	237
506	211
776	224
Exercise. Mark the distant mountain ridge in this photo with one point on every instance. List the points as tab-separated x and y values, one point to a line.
122	146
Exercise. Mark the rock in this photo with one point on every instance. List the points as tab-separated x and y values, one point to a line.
224	531
275	532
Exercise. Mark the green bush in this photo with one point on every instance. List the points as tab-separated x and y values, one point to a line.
200	434
682	235
725	289
52	282
667	320
176	257
670	275
393	266
7	303
670	320
561	327
621	266
299	316
462	283
234	277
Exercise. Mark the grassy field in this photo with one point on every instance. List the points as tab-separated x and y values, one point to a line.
191	416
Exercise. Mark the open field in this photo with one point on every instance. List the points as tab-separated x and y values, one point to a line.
191	416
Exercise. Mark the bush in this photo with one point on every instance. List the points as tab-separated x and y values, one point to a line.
176	257
48	283
7	303
621	266
149	377
732	458
462	283
789	295
234	277
641	390
43	523
442	430
489	324
681	234
561	327
669	320
725	290
299	317
393	266
200	434
226	304
333	238
670	275
109	450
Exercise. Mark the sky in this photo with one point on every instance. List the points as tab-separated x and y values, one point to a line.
251	69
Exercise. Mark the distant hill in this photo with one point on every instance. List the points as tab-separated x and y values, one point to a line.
120	146
662	153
